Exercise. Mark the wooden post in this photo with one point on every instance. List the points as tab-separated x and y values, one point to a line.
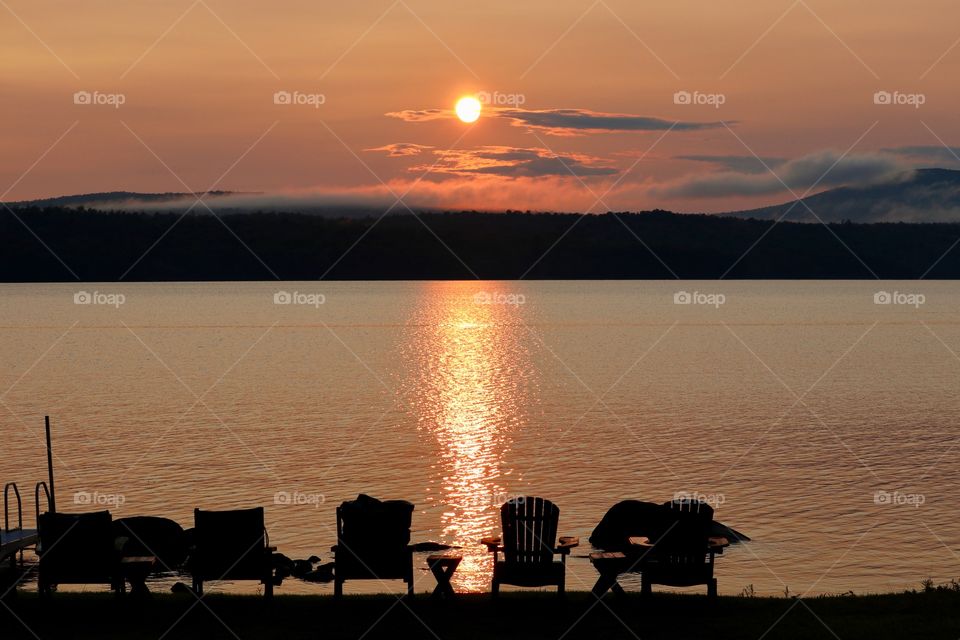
53	493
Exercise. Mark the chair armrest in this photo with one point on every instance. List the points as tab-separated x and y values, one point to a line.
717	544
566	544
492	543
640	542
718	541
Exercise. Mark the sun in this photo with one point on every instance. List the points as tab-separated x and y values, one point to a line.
468	109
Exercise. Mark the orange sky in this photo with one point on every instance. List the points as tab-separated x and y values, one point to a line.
797	80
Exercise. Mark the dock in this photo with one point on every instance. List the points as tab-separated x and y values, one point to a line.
13	542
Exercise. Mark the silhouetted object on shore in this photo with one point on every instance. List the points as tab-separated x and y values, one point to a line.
231	545
77	549
14	539
683	555
631	518
528	545
152	536
373	542
322	573
51	489
626	519
313	569
678	551
443	566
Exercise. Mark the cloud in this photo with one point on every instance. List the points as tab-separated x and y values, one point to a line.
473	191
573	122
830	168
937	153
402	149
517	162
739	164
422	115
565	122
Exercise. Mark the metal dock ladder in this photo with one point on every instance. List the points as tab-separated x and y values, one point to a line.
14	541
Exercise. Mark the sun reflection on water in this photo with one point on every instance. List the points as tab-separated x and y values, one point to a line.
473	391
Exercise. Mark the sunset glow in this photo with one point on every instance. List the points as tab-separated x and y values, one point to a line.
677	110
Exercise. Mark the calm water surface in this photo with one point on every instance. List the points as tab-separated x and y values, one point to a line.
790	406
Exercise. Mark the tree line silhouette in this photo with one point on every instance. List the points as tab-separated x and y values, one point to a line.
102	246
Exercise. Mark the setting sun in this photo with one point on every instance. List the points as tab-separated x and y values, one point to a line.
468	109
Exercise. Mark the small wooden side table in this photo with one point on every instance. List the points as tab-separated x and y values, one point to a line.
443	567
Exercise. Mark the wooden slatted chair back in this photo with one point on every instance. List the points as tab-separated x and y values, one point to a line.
529	530
685	541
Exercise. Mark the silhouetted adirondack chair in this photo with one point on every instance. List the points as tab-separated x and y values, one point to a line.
529	545
232	545
683	554
77	548
373	542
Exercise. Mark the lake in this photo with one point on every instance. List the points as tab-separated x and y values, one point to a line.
819	418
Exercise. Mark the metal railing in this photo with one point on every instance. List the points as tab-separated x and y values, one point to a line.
36	499
6	507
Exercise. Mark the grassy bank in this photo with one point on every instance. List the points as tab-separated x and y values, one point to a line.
515	615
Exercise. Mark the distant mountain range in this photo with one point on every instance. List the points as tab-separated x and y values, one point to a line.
228	202
116	200
925	195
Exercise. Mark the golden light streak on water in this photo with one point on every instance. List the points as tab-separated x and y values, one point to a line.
474	384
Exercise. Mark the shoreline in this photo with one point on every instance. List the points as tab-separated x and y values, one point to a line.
930	614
